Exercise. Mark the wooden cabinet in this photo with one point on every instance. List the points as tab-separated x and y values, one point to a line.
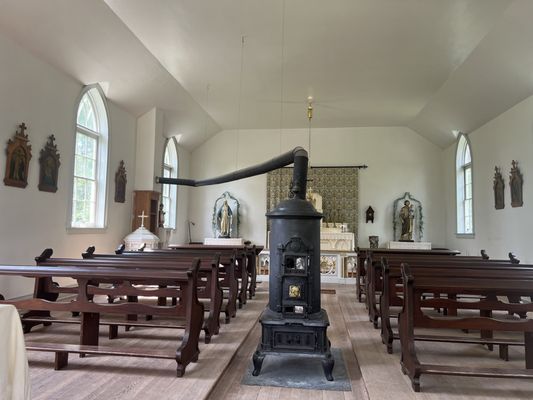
147	201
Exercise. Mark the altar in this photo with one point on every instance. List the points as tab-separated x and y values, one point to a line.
336	266
338	259
333	236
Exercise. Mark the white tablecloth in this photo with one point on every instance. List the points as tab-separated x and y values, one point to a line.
14	373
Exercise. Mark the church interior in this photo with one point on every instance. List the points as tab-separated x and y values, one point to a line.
339	188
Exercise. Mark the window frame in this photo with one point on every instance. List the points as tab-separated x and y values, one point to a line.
461	167
172	211
101	115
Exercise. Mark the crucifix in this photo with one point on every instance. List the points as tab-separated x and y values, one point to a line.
22	129
142	217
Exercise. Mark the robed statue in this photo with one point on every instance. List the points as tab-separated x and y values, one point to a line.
407	215
224	220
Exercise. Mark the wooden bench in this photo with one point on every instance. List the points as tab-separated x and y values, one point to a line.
245	255
362	253
374	279
180	284
208	282
488	289
228	280
392	291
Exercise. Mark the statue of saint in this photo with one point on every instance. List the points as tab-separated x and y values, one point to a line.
161	221
498	186
224	220
407	216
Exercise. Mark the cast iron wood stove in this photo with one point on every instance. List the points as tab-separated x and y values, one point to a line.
293	322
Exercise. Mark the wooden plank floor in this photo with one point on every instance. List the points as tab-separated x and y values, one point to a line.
229	386
384	380
113	378
374	374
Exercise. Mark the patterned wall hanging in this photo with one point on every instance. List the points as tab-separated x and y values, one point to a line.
338	186
49	166
18	159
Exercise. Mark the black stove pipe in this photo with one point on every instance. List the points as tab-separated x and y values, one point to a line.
298	156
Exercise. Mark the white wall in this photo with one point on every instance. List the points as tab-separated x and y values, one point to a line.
507	137
146	150
180	235
398	159
45	99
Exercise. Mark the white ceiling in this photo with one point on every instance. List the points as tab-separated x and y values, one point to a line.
432	65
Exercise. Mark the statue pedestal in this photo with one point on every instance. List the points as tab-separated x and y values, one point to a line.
409	245
224	241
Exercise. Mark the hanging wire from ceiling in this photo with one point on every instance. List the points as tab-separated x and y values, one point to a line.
239	121
207	87
282	85
309	118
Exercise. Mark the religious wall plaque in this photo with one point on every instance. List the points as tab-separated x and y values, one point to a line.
499	189
18	153
369	214
515	183
49	166
120	183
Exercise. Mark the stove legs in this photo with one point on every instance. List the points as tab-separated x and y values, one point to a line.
327	365
258	362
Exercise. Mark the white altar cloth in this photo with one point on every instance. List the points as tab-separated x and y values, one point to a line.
14	373
336	241
409	245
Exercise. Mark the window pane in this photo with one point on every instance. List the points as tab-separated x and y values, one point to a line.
467	156
79	189
90	191
468	225
468	209
79	143
90	149
468	175
78	165
468	191
90	169
86	113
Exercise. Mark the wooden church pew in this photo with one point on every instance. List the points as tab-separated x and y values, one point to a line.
241	252
209	276
181	284
392	291
228	264
413	316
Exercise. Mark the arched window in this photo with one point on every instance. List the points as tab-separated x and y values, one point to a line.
170	192
90	161
464	192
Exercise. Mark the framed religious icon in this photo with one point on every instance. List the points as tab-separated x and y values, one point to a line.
18	153
120	183
515	183
499	189
49	166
